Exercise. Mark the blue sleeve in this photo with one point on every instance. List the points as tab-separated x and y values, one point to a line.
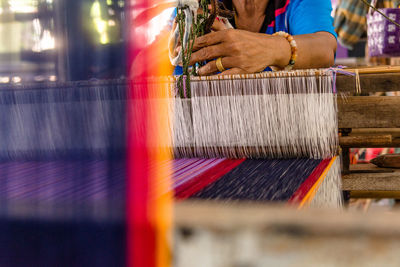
310	16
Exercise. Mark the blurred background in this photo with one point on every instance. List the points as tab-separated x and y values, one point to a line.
61	40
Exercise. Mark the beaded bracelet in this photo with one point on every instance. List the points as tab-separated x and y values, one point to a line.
293	47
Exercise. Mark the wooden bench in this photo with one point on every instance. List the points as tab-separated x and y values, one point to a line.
214	234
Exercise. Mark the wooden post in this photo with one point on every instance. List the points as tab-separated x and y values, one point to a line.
345	152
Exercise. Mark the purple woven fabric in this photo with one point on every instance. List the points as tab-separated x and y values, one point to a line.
384	36
63	189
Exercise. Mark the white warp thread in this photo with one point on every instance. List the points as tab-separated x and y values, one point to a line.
329	193
271	118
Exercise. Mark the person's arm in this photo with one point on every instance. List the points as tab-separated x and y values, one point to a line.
247	52
315	50
309	22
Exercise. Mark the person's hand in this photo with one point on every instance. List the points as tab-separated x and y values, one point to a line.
218	25
241	51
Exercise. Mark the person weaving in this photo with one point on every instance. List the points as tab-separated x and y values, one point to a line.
281	34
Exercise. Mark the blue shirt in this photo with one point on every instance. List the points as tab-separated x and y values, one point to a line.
299	17
306	16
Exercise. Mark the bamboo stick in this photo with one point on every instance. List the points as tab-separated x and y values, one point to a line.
375	70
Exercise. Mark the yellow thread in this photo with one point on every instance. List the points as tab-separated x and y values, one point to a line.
358	83
313	189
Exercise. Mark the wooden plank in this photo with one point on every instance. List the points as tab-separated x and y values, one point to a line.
383	82
369	112
368	167
388	181
220	216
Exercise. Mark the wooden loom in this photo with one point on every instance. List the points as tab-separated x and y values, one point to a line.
276	120
364	121
369	121
379	128
351	112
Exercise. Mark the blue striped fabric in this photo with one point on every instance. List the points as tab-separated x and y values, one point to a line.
261	180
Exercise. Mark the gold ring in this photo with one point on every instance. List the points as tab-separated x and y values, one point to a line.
220	67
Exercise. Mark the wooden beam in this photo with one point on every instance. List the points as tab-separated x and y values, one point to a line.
395	143
366	141
369	112
375	194
370	83
394	132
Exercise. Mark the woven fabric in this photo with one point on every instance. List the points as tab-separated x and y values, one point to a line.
278	180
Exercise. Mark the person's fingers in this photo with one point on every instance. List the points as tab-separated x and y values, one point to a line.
211	67
218	25
208	53
212	38
232	71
